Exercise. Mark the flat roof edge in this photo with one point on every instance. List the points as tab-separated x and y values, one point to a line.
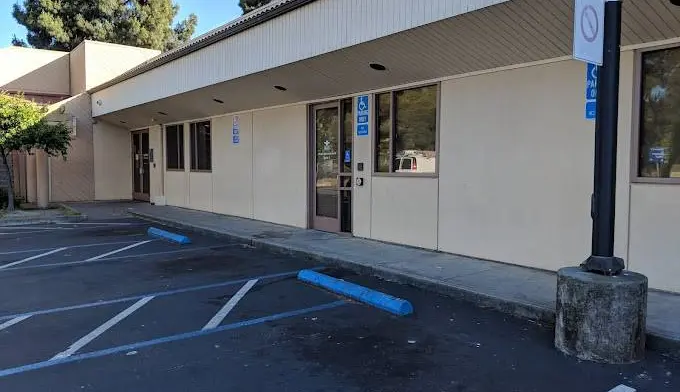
207	40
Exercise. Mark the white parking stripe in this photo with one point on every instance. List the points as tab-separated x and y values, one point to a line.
113	252
82	342
622	388
70	247
32	258
13	321
219	317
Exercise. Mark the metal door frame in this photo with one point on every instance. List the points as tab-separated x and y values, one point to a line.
320	222
139	176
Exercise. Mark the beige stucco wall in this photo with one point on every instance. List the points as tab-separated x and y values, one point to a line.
233	166
263	177
34	70
105	61
175	188
516	166
362	147
404	210
280	165
156	191
78	70
73	179
654	228
113	162
200	191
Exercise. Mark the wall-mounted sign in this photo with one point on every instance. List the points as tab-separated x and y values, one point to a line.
591	91
235	131
589	31
362	115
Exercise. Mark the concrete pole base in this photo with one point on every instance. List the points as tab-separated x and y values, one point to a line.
601	318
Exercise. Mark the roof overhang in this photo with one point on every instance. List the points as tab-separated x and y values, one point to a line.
495	37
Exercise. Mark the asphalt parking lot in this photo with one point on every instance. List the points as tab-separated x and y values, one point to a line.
103	307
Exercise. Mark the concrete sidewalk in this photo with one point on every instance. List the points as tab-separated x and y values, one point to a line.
521	291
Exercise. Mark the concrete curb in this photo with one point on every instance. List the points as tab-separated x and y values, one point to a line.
545	315
43	221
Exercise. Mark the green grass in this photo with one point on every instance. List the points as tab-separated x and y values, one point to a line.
68	211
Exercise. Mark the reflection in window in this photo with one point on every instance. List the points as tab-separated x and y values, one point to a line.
384	125
174	146
660	114
201	149
408	144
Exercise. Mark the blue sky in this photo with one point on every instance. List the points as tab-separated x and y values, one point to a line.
211	13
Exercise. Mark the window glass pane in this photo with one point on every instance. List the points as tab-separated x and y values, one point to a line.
382	141
174	146
180	143
171	147
347	133
194	154
660	114
201	146
416	128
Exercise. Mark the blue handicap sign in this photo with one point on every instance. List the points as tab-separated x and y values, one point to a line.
591	110
236	139
362	115
348	156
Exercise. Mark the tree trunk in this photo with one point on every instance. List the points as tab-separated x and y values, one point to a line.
10	186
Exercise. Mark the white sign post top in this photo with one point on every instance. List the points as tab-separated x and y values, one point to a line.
589	30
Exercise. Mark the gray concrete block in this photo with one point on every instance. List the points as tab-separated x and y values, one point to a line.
601	318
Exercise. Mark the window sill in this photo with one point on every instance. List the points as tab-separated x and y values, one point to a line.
175	170
200	171
656	180
406	175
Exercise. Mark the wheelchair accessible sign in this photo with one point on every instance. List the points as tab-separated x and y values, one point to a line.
362	115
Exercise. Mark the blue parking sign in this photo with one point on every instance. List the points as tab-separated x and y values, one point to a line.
592	71
362	115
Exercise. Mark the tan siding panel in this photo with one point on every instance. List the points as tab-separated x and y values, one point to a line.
284	40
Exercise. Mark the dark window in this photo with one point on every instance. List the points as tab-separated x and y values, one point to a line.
659	154
201	150
413	133
174	145
384	126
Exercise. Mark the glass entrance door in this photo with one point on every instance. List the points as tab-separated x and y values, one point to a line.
141	177
332	198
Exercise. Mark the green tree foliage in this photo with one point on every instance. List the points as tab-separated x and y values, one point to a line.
251	5
63	24
23	127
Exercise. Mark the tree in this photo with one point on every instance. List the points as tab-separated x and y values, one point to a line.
23	127
252	5
63	24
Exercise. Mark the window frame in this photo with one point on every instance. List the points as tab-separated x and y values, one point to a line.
636	133
193	152
182	162
393	127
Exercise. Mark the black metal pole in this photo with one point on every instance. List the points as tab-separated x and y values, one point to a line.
603	205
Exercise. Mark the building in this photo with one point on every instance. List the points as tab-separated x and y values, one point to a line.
451	125
60	80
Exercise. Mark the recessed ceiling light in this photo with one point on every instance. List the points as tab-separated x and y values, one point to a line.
280	88
377	66
162	113
218	100
123	122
